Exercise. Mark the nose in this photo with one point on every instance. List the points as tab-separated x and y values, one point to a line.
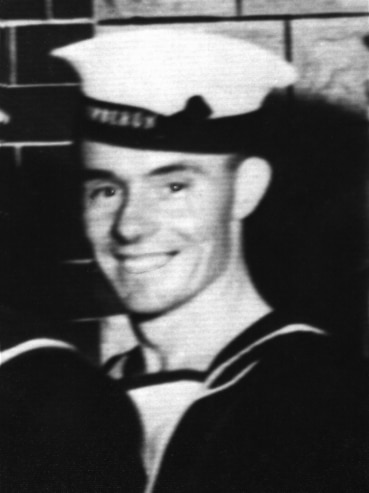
136	219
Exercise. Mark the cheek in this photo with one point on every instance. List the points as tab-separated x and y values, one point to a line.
189	222
97	227
213	219
203	217
208	230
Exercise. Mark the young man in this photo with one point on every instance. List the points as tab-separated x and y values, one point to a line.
230	395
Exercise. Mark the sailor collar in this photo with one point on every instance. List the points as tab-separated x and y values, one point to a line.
230	365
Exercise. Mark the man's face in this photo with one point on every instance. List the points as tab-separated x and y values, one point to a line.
160	223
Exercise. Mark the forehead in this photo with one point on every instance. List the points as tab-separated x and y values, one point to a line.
128	162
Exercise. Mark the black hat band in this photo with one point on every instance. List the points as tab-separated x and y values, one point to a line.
190	130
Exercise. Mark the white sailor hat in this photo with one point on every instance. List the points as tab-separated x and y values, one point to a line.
164	88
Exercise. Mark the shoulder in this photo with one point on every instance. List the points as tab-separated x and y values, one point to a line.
300	413
51	376
63	422
301	363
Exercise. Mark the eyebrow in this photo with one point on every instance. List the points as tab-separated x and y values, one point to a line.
175	168
96	174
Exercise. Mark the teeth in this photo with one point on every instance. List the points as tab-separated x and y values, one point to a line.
137	265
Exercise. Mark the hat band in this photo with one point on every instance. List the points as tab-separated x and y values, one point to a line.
120	116
189	130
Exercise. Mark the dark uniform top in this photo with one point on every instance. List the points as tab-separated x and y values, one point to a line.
65	427
281	411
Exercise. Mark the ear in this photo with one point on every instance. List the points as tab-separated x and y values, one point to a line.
253	176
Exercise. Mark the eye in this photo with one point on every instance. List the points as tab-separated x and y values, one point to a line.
177	187
100	193
103	192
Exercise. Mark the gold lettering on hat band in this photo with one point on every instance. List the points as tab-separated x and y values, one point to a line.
132	118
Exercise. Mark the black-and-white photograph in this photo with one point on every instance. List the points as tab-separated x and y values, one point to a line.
184	246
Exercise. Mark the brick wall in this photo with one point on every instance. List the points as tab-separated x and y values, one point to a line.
324	38
43	242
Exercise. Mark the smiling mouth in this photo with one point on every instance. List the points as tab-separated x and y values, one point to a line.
139	264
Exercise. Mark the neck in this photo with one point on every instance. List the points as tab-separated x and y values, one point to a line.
191	336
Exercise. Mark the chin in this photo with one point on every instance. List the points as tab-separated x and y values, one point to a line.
149	297
153	301
154	304
145	308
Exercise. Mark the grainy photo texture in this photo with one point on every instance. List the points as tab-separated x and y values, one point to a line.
184	248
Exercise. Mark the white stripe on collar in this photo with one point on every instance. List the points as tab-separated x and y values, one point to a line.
289	329
209	391
31	345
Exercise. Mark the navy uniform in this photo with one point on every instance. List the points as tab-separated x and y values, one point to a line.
64	426
278	408
281	409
